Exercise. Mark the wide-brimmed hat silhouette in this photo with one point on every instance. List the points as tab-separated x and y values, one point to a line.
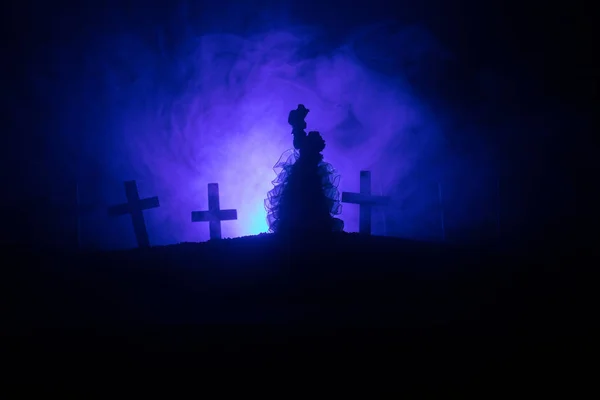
296	117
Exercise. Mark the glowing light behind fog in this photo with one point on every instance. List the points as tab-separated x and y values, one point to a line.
216	111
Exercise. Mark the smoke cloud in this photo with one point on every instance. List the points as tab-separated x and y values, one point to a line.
176	107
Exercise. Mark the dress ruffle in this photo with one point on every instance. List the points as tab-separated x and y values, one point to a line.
305	195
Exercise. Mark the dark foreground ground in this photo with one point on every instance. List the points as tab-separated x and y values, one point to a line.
345	300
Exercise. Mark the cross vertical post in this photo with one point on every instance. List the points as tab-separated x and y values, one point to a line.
365	200
214	215
135	206
365	210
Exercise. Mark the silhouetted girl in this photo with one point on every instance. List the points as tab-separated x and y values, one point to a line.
305	197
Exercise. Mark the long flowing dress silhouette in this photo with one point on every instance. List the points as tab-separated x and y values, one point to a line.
305	196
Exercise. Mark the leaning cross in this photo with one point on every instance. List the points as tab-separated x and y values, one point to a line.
214	215
365	200
135	206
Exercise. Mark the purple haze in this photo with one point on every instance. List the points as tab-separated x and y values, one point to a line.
215	110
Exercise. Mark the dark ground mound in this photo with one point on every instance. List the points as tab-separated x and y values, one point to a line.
256	297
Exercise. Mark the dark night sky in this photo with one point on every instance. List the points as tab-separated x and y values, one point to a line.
544	49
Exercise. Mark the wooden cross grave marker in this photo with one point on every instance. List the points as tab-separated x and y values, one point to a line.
365	200
135	206
214	215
